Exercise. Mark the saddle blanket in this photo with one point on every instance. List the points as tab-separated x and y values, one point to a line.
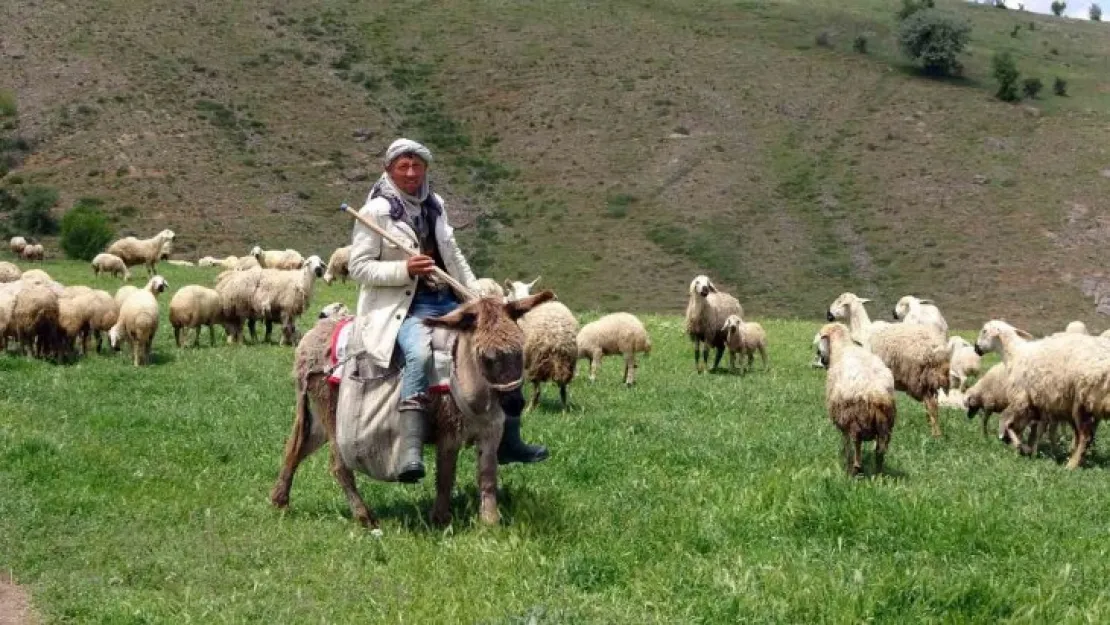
337	354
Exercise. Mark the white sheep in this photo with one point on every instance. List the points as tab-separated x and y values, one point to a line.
283	295
337	265
334	309
110	263
917	355
17	244
616	333
9	272
136	251
104	315
236	289
550	348
138	318
487	287
1077	327
859	395
515	290
34	321
744	338
181	263
277	259
989	394
706	312
924	312
963	364
245	263
33	251
195	306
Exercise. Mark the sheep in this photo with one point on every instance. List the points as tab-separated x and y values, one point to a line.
135	251
195	306
33	251
333	310
989	394
519	290
954	399
337	265
1077	327
616	333
75	312
207	261
115	333
1065	377
550	342
181	263
9	272
36	275
282	295
167	248
486	287
8	293
236	289
138	318
17	244
744	338
103	316
246	263
706	312
916	311
110	263
917	355
963	363
34	320
859	395
1105	335
277	259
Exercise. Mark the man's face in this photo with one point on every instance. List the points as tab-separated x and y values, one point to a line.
408	173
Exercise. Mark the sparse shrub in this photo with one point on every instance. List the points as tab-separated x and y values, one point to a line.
1016	30
1032	26
909	7
617	205
1060	86
1031	87
860	44
934	39
1058	7
8	106
1006	73
33	214
1000	4
823	39
1095	12
85	230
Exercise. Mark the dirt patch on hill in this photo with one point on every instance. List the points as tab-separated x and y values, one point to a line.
15	605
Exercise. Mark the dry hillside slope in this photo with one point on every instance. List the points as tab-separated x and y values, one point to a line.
615	148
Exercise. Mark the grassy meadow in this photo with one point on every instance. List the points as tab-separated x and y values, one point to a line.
141	496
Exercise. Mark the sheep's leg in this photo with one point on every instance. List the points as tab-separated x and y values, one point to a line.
535	396
177	335
595	364
763	356
1082	439
731	360
211	335
300	445
196	337
986	415
630	368
881	443
931	409
704	357
447	458
487	476
857	456
563	395
697	357
251	328
717	358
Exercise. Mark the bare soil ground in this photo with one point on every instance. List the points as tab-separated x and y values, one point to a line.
15	605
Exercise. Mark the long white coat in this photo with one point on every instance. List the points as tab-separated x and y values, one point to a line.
386	290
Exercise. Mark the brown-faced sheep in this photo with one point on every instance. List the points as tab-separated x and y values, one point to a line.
146	252
744	338
706	312
616	333
859	395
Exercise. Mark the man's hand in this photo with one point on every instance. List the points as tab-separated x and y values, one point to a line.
420	265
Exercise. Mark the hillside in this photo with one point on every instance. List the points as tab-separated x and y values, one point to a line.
617	149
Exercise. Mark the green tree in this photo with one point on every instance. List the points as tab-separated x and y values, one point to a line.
1006	73
1031	87
934	39
1095	12
1058	7
32	216
85	230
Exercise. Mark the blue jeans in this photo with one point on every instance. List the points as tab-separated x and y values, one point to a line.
415	339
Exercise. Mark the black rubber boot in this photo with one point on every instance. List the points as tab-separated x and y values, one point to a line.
411	463
512	448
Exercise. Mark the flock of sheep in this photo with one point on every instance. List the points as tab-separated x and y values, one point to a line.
1061	378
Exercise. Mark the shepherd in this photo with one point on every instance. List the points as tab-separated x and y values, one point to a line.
398	290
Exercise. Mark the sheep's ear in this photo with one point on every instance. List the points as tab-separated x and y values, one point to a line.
927	301
863	300
1023	334
461	319
712	287
517	309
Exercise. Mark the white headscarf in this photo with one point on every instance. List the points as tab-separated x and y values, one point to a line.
396	149
405	146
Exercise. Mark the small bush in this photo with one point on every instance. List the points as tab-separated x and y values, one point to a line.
860	44
1000	4
1060	86
935	40
1058	7
1031	87
1095	12
617	205
33	214
85	230
1016	30
8	107
909	7
823	39
1006	73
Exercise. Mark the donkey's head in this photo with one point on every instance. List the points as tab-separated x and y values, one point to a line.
489	338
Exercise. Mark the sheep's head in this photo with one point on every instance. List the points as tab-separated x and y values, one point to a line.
256	251
974	400
732	324
841	308
167	234
828	334
991	336
334	309
157	285
315	263
703	286
489	338
956	343
519	290
1077	327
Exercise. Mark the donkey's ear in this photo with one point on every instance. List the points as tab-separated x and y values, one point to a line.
517	309
460	319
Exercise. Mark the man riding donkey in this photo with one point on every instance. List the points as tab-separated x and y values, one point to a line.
397	291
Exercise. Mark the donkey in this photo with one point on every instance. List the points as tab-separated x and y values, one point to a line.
488	357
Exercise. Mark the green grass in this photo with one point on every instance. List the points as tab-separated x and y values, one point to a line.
140	496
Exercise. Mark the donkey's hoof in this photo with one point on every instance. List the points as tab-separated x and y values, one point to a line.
440	517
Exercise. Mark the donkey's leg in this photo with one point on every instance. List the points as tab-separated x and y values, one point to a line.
301	444
447	460
342	472
487	476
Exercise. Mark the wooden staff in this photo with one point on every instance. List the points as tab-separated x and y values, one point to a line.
439	273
